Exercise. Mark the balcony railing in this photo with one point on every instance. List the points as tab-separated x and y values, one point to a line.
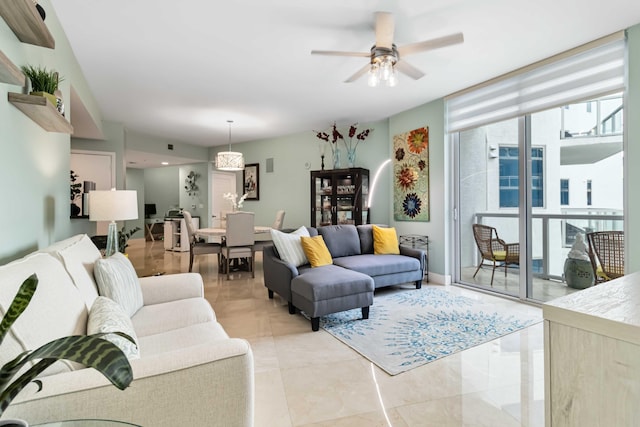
552	241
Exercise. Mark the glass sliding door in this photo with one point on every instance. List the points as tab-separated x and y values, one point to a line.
488	194
584	174
541	182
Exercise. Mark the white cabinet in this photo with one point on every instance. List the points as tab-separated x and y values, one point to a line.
592	356
176	237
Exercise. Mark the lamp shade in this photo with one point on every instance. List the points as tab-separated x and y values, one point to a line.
113	205
230	161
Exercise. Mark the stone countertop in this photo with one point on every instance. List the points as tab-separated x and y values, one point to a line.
611	309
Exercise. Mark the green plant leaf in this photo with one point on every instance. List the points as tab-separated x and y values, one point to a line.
42	80
19	303
89	350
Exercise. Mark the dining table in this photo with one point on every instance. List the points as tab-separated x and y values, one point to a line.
221	232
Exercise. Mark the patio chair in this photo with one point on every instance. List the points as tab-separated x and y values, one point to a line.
494	249
606	251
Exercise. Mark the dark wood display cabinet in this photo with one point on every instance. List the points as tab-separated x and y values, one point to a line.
340	196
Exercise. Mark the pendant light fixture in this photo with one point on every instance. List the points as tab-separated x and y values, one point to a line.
230	160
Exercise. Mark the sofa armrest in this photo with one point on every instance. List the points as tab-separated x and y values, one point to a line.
171	287
211	384
277	273
418	254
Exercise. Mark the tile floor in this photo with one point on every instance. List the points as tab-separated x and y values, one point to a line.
305	378
543	290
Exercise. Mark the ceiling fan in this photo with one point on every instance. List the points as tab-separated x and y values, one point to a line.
386	57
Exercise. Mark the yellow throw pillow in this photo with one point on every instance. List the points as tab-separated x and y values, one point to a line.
385	241
316	251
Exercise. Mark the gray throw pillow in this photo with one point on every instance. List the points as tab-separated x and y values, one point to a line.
341	240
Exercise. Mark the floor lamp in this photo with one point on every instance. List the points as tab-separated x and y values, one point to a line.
113	205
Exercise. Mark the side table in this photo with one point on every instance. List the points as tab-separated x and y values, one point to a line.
150	224
420	242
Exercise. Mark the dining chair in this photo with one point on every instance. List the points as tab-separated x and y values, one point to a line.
279	221
266	239
494	249
606	252
239	240
198	246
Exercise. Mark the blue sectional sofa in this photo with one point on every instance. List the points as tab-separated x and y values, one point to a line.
346	284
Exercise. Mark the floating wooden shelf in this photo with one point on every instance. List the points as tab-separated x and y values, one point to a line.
23	18
9	73
38	109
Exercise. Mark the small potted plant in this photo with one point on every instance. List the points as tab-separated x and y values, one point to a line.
43	82
124	236
84	349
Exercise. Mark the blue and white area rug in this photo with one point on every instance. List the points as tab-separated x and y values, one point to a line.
408	328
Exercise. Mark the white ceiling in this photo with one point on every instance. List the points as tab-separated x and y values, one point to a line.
180	69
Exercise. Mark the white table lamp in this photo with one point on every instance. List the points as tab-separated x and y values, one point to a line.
113	205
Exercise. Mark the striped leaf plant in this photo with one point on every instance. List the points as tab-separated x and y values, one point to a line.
89	350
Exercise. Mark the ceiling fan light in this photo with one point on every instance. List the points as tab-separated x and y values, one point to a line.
386	69
374	75
393	78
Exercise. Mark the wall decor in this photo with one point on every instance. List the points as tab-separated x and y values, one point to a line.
251	181
411	175
191	187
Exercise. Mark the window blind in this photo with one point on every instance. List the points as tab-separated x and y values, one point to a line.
587	72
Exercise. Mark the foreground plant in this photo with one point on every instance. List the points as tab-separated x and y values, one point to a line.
89	350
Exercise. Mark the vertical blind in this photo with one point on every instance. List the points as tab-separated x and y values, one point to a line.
593	70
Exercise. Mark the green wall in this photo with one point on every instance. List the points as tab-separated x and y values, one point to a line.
135	181
294	156
429	115
162	187
156	145
198	204
34	166
632	151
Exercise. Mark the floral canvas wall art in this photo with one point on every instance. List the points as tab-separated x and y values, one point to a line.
411	175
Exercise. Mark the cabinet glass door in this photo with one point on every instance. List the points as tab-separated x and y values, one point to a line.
345	199
364	198
323	201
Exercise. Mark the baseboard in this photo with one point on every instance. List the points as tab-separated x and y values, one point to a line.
439	279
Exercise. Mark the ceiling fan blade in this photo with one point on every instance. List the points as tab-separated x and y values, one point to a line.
408	69
384	29
339	53
361	72
432	44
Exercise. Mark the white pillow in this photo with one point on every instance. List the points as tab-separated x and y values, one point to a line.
289	246
117	280
108	316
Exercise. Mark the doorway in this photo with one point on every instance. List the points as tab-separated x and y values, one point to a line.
221	183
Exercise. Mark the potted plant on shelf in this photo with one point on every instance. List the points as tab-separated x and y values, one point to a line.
43	82
84	349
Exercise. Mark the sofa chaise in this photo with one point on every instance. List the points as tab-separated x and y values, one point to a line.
351	278
188	371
